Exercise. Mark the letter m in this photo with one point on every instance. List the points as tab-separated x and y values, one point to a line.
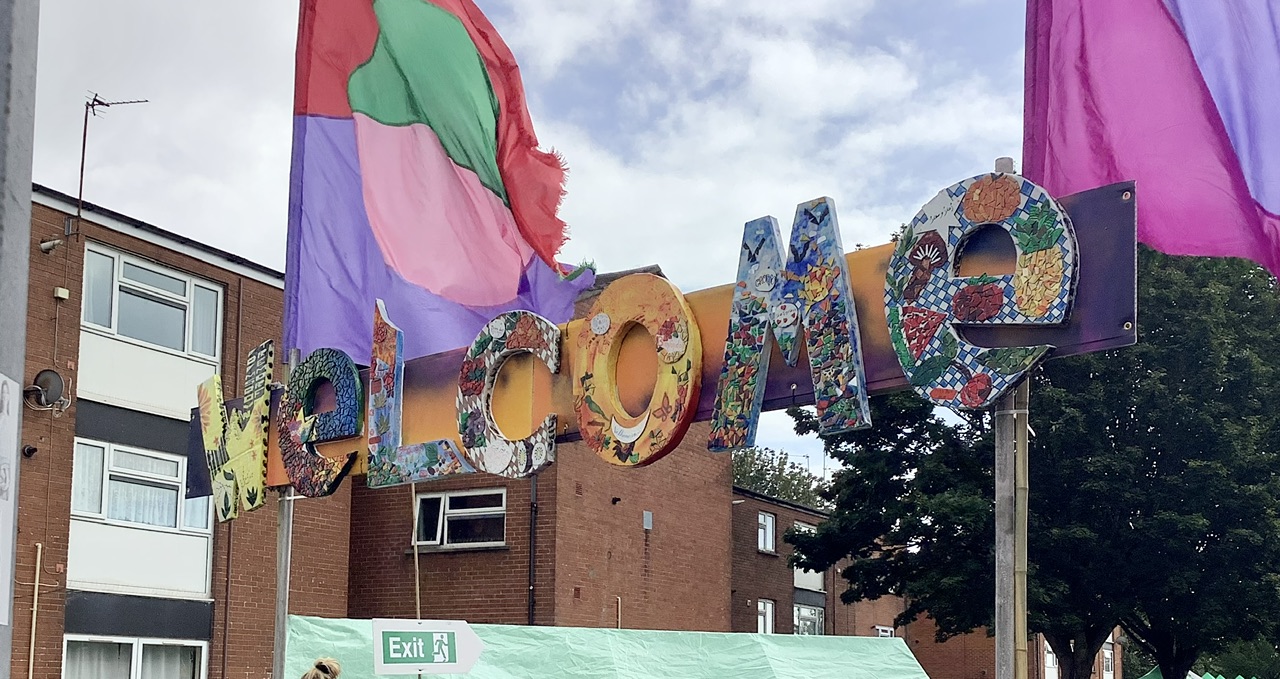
810	289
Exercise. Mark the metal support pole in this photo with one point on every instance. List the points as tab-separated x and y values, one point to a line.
1012	485
19	24
284	558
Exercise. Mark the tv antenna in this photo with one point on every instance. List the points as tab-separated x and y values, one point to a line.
91	106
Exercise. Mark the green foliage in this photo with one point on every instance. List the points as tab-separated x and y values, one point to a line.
1257	658
1154	497
772	473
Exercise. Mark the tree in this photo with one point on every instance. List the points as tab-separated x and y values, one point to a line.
1153	495
772	473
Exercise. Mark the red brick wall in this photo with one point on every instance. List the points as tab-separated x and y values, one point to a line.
45	480
969	656
759	575
675	576
480	585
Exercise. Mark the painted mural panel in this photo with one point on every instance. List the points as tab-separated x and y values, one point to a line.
235	439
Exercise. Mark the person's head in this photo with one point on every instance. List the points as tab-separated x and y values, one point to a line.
325	668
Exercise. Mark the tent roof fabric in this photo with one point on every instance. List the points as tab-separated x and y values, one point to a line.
517	652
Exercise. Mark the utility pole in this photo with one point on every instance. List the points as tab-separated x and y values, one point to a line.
19	25
1012	476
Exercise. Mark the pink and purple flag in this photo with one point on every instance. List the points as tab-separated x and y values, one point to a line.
1182	96
416	179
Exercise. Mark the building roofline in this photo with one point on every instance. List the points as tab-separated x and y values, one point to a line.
260	272
739	490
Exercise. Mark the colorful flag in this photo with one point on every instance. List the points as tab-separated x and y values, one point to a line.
1182	96
416	179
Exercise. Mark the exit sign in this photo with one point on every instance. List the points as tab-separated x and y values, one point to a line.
424	647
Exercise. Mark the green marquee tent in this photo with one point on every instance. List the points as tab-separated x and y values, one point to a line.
517	652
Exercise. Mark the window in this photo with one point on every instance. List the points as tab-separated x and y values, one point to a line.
764	532
815	581
475	518
764	616
809	619
1108	660
143	301
884	631
130	486
113	658
1050	660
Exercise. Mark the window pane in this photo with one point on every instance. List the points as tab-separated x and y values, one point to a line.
764	532
429	520
195	513
145	463
147	318
155	279
764	616
142	503
475	501
204	322
98	660
472	529
99	287
86	479
170	662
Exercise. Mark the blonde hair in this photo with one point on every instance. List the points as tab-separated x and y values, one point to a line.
325	668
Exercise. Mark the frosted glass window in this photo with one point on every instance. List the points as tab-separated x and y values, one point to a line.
204	322
86	479
151	319
195	513
99	287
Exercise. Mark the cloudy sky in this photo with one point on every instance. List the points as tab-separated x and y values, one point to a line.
680	119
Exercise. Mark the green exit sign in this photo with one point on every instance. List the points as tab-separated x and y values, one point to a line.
417	648
424	647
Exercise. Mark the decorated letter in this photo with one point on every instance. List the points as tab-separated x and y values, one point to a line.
299	426
924	297
390	462
658	306
486	447
235	439
811	290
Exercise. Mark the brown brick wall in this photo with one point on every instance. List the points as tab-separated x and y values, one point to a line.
478	585
319	582
761	575
673	577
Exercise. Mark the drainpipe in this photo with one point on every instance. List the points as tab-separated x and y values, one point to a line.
533	542
35	611
619	611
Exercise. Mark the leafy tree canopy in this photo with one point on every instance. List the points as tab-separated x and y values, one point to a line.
772	473
1153	485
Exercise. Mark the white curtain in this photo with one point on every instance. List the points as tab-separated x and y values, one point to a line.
98	660
170	662
142	503
86	479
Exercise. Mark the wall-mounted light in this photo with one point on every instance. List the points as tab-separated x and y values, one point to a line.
47	246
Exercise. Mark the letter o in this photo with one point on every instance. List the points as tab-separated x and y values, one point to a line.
655	304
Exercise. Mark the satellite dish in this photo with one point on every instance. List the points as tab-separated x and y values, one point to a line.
46	390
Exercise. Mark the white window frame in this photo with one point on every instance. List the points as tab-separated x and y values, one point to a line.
135	665
109	469
445	513
884	631
1050	660
1108	660
766	532
765	615
188	302
820	618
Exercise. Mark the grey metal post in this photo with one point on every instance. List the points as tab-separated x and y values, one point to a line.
19	24
1012	481
284	559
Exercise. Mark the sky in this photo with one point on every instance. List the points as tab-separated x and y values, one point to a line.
679	120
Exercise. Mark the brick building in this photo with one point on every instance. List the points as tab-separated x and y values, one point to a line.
137	582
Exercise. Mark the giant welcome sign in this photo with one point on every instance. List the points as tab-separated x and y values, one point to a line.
989	278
